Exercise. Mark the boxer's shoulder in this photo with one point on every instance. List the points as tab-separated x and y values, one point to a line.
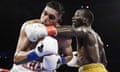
33	21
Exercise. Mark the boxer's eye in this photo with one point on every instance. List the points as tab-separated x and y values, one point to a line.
51	16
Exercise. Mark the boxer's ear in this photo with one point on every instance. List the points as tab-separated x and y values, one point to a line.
85	20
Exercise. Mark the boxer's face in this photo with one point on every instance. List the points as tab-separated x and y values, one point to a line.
78	18
49	16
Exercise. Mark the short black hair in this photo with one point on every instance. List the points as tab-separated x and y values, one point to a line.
57	6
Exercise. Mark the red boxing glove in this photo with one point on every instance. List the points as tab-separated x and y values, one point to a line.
52	31
4	70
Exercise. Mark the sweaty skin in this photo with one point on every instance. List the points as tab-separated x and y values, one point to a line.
89	45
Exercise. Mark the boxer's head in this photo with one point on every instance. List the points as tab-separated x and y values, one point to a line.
83	17
52	13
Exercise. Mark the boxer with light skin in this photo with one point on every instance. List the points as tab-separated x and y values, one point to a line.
36	51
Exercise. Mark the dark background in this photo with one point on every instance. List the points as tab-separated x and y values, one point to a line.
14	12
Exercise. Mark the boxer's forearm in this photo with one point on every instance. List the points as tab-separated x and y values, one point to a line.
65	31
19	57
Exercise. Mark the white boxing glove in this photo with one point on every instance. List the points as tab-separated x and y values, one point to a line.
48	46
74	61
36	30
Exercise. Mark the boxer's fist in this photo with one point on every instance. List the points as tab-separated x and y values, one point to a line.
36	31
48	46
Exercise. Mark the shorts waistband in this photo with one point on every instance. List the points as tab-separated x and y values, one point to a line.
93	65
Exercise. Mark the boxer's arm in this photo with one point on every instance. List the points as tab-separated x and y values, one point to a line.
104	59
48	46
22	44
65	31
102	51
36	30
25	41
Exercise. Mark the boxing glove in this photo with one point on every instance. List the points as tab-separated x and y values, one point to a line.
36	31
4	70
48	46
